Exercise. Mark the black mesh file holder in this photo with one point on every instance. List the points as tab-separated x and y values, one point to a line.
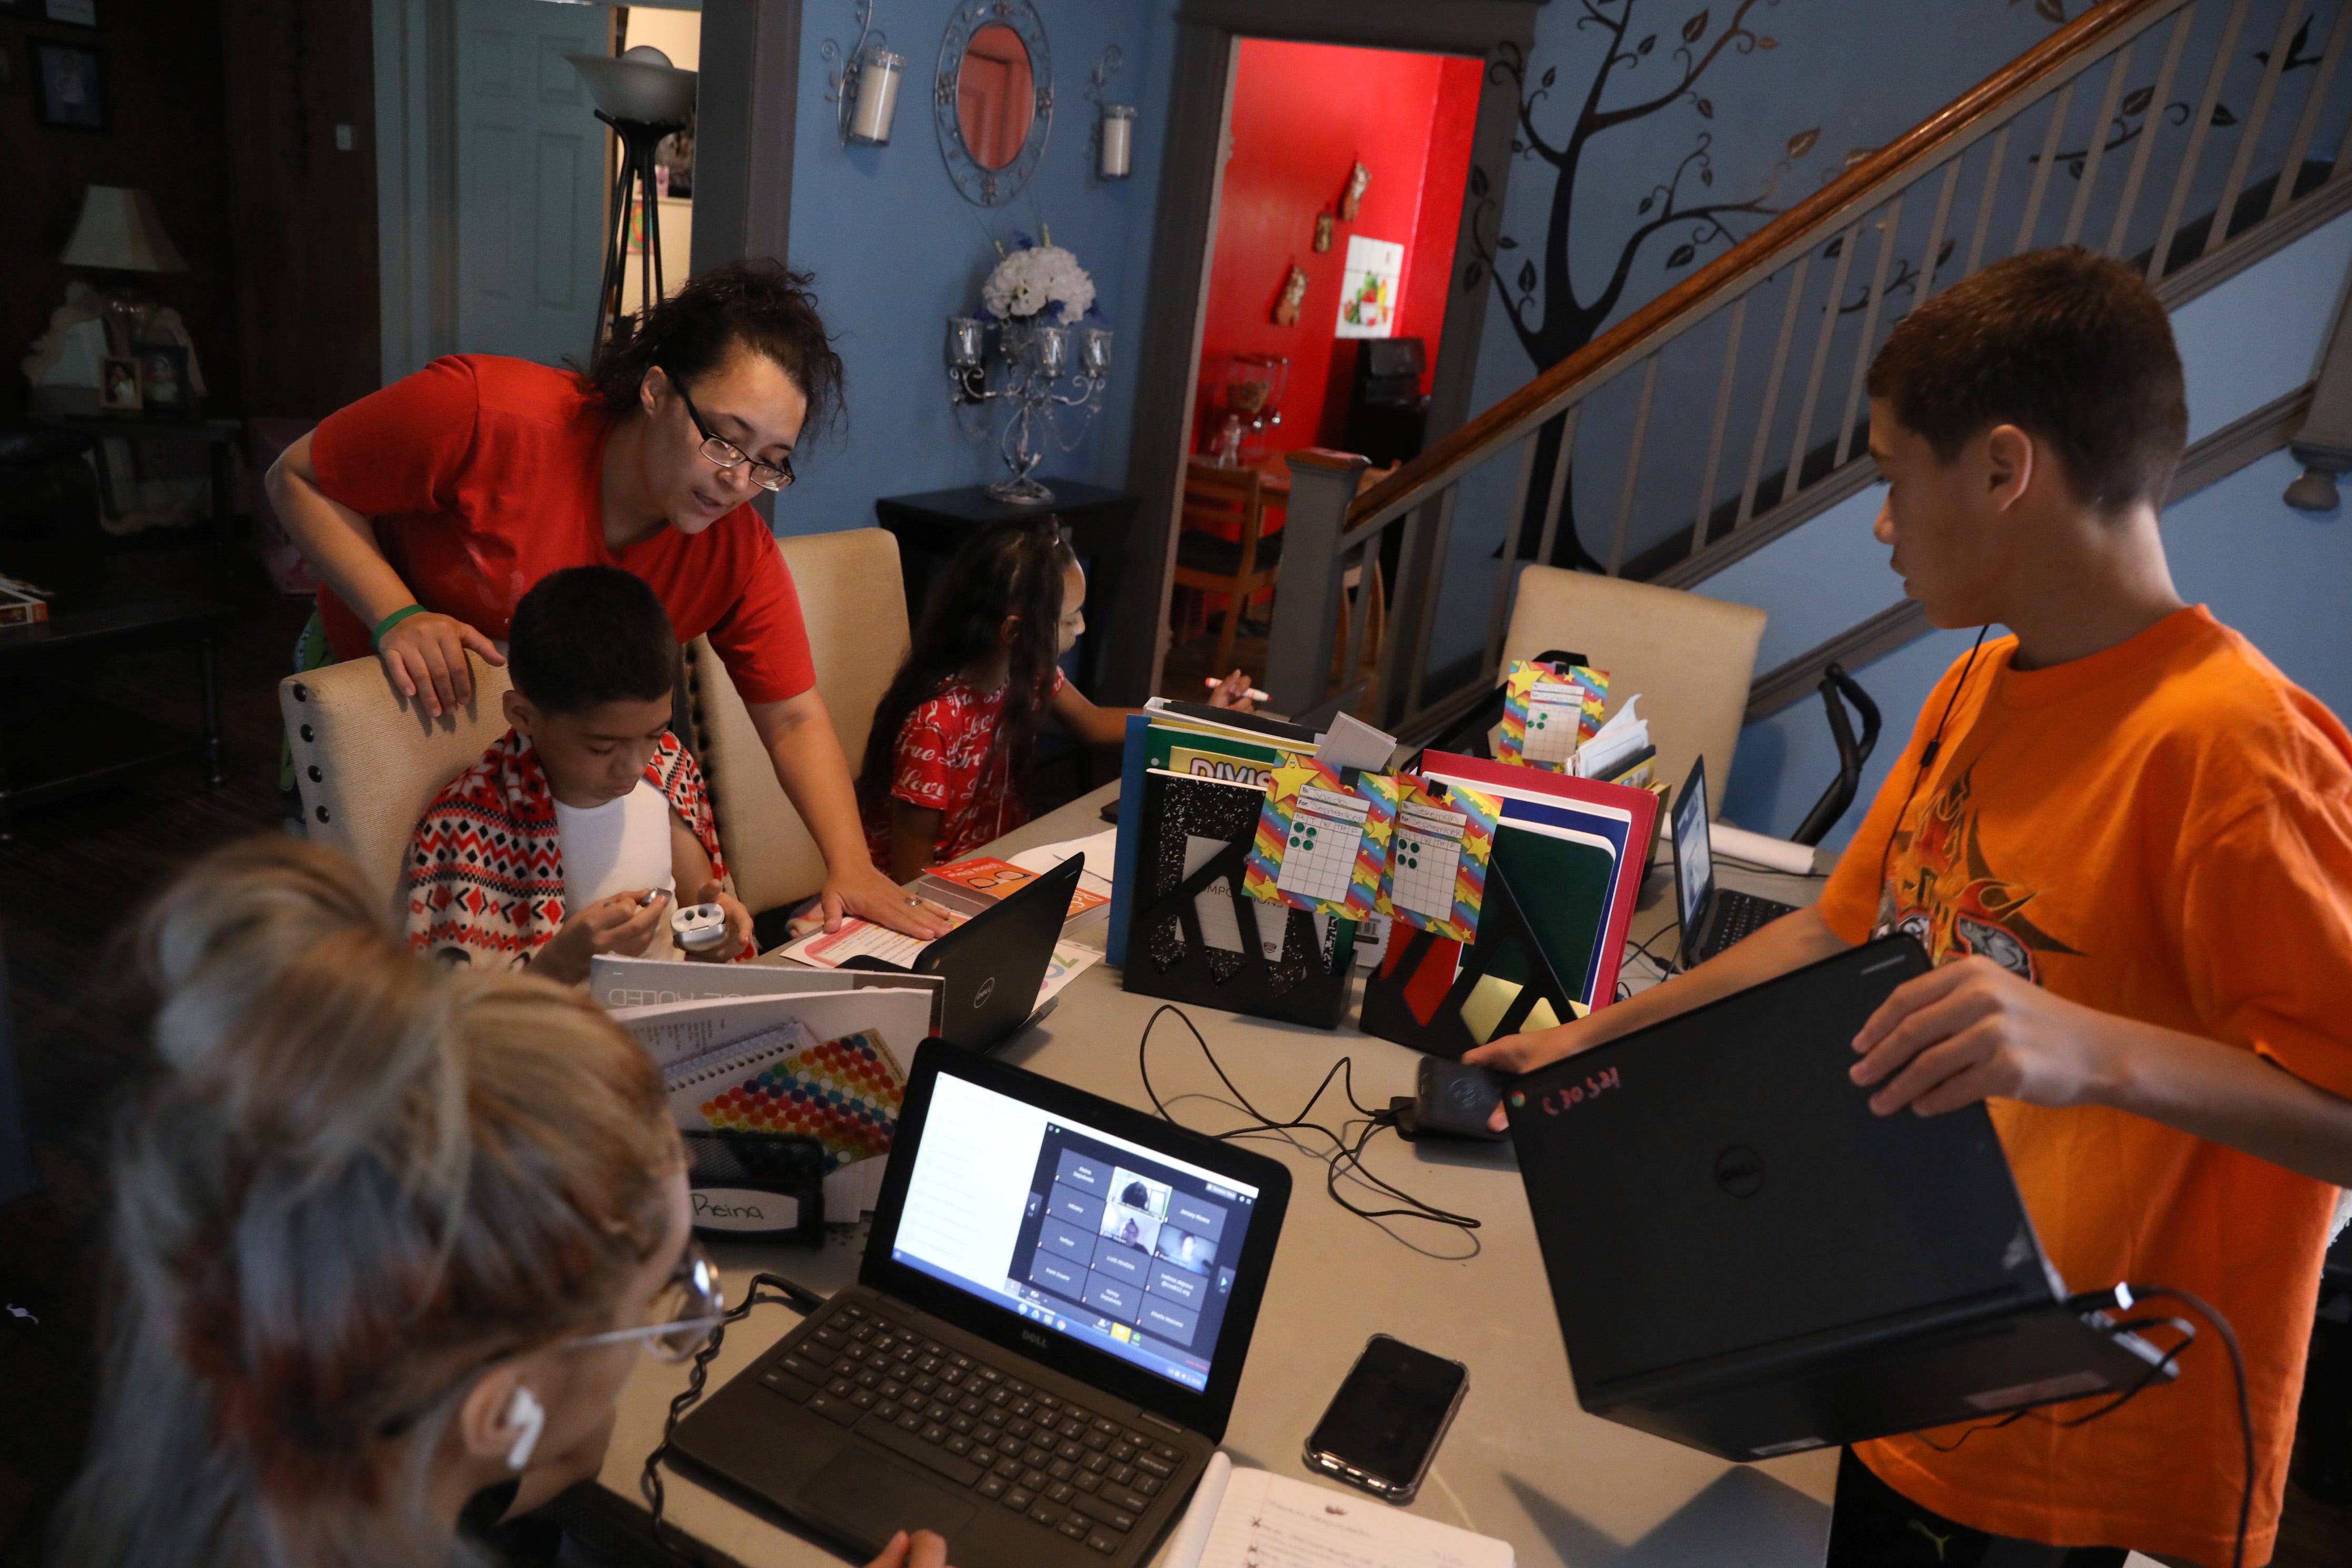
1168	954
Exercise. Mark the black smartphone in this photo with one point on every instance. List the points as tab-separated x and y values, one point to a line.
1384	1425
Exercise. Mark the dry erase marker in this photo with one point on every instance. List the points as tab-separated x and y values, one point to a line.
1253	694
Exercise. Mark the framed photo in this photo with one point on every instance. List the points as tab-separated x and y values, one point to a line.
80	12
118	385
164	379
73	94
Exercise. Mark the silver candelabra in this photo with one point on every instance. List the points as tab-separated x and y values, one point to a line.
1018	364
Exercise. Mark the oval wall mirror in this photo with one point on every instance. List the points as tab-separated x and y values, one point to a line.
993	98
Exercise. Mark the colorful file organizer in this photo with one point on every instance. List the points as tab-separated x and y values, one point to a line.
1566	870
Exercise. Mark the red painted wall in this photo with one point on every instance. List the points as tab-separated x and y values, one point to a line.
1303	114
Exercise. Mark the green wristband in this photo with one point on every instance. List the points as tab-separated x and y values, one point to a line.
391	620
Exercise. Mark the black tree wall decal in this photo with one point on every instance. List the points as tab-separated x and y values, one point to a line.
1539	298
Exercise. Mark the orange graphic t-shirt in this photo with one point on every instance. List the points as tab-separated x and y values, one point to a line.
2162	831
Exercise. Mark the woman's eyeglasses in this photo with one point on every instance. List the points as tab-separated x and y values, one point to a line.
689	1306
726	454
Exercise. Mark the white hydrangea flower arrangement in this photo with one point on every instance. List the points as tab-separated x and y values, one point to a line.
1035	278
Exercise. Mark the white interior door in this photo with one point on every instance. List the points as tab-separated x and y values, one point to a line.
531	179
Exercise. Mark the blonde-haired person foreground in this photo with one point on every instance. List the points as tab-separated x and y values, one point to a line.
387	1239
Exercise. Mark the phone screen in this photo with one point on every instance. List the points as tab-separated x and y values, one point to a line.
1390	1411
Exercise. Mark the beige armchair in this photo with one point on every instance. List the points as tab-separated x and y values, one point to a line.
1688	658
368	761
855	605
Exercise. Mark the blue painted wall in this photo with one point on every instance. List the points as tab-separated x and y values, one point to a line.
896	251
2272	573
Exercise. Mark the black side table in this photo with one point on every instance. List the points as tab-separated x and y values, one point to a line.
930	528
218	437
55	741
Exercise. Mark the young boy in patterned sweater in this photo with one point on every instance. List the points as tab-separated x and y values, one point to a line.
577	830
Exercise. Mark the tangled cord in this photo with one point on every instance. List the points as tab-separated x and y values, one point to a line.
2125	1296
1346	1153
783	1292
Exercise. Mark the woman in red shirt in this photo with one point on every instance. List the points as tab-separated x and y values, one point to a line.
433	505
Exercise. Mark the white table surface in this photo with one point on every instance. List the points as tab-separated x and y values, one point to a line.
1522	1462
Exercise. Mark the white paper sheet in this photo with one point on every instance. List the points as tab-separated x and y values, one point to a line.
1256	1519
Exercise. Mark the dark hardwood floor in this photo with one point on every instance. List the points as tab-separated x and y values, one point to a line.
70	877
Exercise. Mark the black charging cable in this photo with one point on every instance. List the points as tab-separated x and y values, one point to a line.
1927	754
1347	1153
2124	1297
779	1292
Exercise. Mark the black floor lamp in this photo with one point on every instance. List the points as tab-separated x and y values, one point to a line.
642	97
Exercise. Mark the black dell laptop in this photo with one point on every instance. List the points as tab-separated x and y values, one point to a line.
1746	1259
994	962
1713	918
1042	1348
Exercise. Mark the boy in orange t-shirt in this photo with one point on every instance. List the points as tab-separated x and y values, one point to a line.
2126	840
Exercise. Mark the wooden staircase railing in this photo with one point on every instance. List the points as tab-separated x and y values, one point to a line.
2072	142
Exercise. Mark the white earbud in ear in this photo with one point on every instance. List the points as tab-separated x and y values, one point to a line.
525	1414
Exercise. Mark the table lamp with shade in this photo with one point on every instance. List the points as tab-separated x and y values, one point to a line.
120	231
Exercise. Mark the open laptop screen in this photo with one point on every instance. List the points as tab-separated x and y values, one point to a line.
1693	863
1084	1233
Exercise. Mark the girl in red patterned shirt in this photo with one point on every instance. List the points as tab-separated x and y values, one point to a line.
947	763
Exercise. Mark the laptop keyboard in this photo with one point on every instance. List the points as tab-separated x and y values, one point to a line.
1742	915
1061	1466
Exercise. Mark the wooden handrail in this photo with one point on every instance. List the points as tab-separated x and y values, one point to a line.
1472	442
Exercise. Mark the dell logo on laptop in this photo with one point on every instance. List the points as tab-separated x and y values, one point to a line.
987	989
1032	1337
1739	1171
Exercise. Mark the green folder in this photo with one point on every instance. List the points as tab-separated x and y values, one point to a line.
1563	888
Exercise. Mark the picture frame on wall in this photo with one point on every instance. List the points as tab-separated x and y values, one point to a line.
72	87
80	12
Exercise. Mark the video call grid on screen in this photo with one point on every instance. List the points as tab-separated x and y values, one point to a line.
1126	1253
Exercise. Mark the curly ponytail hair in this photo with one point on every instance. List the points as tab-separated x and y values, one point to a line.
359	1179
1012	568
757	304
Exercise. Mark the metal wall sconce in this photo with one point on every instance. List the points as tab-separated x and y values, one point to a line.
1112	143
863	85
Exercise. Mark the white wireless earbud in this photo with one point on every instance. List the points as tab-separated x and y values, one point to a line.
525	1412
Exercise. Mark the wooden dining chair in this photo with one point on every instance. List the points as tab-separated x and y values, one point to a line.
1217	501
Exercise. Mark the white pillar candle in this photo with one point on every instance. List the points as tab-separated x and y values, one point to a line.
1118	140
877	97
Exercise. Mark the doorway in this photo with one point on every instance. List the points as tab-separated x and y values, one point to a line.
1329	266
494	176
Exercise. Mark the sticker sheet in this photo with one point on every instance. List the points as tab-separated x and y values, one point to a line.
1548	712
1322	845
845	1092
1438	855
